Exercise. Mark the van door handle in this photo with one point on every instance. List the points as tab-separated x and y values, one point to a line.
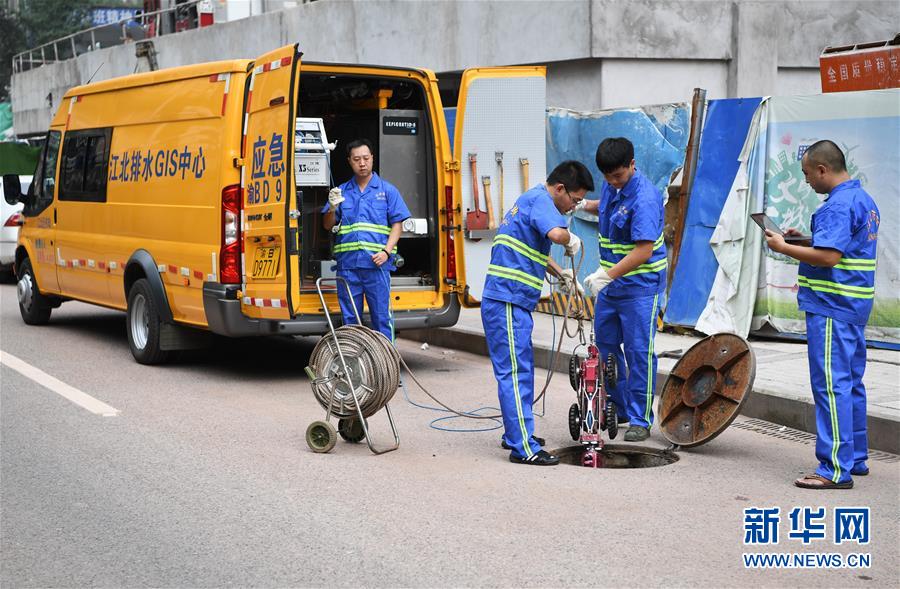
54	216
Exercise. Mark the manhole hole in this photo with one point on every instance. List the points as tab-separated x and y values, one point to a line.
618	456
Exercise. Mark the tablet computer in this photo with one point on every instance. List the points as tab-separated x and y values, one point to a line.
765	222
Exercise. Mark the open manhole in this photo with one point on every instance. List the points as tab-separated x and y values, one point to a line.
619	456
702	395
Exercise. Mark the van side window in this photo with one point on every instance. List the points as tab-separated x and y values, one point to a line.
43	185
83	172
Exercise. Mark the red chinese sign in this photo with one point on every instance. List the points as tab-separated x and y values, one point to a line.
857	68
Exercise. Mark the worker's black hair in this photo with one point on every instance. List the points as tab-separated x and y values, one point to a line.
359	143
828	154
614	153
573	175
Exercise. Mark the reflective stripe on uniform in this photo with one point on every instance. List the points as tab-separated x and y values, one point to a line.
350	246
859	264
522	248
517	275
856	292
832	407
510	334
625	248
643	268
345	229
650	371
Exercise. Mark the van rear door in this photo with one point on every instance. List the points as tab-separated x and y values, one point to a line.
270	214
500	135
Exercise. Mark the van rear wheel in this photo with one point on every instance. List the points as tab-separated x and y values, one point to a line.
143	325
34	307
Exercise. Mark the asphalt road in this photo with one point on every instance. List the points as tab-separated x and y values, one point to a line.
204	479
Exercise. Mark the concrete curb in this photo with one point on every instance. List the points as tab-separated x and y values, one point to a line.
762	404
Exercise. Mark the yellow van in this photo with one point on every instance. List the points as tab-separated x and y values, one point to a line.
176	195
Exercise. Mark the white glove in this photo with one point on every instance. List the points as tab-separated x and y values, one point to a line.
574	245
568	285
335	198
596	282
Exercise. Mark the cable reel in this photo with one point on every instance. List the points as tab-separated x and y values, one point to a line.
354	372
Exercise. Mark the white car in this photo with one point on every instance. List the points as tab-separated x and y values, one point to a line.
10	219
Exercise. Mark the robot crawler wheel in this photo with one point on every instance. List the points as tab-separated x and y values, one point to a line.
351	430
612	420
575	422
611	371
574	361
321	436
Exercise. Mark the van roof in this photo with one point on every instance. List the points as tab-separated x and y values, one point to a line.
160	76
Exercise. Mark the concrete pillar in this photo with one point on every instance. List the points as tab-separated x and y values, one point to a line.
754	63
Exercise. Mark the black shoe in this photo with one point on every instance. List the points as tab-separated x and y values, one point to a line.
505	446
542	458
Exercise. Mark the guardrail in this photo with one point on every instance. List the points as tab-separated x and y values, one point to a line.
151	24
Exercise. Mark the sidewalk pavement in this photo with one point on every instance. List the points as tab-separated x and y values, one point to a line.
781	392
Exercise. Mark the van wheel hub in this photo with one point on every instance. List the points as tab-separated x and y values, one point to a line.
24	291
140	322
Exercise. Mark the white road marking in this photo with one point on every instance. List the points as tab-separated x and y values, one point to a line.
69	392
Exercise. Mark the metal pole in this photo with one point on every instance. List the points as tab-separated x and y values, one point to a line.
56	51
72	39
43	59
93	40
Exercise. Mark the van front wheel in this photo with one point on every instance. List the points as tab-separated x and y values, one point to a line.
33	305
143	325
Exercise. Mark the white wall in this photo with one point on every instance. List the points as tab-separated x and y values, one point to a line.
798	82
633	82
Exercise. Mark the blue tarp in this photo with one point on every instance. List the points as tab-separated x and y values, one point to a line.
724	132
659	135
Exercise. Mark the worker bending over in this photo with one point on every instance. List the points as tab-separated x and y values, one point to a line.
369	213
837	287
519	259
630	282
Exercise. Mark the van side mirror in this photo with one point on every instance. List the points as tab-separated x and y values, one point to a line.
12	188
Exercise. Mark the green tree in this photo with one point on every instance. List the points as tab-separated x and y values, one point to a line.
12	41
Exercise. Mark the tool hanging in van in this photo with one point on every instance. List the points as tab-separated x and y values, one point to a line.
498	157
523	164
486	183
475	219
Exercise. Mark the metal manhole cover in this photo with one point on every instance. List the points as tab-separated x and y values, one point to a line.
706	389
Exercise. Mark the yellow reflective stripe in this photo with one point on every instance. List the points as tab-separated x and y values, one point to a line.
832	407
861	264
364	227
511	340
643	268
624	248
856	292
650	372
517	275
522	248
360	245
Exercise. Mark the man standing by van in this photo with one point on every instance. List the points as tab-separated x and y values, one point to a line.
630	281
519	259
368	213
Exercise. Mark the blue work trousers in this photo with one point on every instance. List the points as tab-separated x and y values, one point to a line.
626	328
375	284
507	328
837	362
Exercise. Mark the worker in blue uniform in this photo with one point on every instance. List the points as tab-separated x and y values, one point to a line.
630	282
520	257
368	213
837	287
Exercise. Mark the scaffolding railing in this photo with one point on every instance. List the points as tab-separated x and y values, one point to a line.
147	25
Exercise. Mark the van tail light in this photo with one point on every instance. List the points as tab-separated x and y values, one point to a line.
15	220
450	278
232	244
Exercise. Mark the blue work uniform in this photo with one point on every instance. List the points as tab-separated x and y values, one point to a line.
837	302
626	310
364	224
512	290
